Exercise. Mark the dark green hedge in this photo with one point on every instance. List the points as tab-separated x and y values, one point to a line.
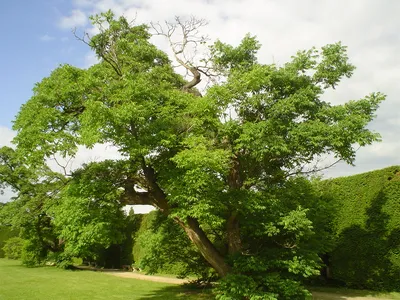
366	229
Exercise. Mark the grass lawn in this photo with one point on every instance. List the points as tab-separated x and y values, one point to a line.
19	283
343	293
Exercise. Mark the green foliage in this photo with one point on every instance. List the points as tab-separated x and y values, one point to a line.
222	166
366	229
13	248
270	287
161	246
29	212
287	234
6	232
86	223
33	254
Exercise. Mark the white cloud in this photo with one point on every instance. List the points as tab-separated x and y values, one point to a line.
6	136
46	38
77	18
367	27
90	59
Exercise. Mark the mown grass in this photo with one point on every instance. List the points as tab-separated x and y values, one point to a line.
19	283
322	293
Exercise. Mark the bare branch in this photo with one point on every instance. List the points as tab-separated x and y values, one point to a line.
63	167
314	170
107	57
188	38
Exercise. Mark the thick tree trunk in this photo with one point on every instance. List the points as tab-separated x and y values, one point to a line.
205	246
156	197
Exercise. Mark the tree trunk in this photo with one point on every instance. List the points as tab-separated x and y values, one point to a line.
205	246
157	197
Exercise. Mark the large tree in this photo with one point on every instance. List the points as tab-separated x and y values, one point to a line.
225	164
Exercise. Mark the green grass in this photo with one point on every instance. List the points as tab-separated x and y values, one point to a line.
19	283
340	293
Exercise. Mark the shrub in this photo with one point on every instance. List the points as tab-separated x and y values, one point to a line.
13	248
6	232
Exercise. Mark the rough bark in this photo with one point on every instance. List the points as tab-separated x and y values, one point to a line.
205	246
196	78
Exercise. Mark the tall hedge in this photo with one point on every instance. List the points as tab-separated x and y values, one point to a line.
366	229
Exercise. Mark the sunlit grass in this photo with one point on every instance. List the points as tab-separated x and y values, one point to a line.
19	283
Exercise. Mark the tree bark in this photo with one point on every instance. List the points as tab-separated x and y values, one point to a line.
205	246
156	197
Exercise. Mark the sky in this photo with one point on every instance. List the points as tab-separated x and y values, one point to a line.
37	37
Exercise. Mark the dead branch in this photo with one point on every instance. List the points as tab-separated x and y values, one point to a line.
189	39
63	167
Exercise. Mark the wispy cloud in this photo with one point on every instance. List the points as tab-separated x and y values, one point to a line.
6	136
90	60
77	18
46	38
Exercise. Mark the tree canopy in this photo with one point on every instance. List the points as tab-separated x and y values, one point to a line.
226	165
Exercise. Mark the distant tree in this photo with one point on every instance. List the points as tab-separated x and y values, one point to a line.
225	165
29	211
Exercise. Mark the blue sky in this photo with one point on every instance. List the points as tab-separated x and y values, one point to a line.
33	44
36	38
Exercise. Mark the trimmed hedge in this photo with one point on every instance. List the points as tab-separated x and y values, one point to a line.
366	228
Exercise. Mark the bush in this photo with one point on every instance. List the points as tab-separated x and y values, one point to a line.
366	228
161	246
270	287
13	248
6	232
32	254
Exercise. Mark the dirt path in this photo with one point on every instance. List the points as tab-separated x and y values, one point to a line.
146	277
316	295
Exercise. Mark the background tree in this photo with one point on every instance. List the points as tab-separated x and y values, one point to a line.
29	212
89	218
224	163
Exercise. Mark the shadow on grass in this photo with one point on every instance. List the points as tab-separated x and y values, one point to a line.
178	292
344	293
